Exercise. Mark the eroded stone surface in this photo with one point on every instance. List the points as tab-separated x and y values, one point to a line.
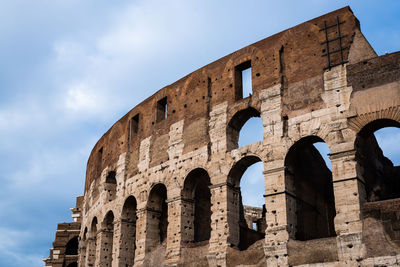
175	197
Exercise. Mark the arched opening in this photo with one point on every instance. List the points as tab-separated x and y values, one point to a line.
157	209
251	132
381	176
72	246
310	185
72	264
249	222
236	124
107	240
128	232
92	243
197	199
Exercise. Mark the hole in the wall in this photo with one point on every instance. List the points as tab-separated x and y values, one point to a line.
251	132
378	159
162	109
110	179
134	125
243	82
157	203
311	180
72	246
128	231
247	176
237	134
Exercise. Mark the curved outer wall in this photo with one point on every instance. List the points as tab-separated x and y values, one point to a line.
297	94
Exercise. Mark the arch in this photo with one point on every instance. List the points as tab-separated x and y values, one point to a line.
242	235
72	246
238	169
92	243
381	177
128	232
309	182
197	199
93	227
106	240
157	215
108	221
378	124
236	124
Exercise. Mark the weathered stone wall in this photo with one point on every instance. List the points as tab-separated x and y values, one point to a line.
176	158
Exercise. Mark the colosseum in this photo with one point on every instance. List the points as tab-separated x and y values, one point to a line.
163	184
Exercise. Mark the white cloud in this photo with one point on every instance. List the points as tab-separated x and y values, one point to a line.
81	97
11	242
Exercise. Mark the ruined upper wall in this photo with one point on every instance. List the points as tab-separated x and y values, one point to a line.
293	58
374	72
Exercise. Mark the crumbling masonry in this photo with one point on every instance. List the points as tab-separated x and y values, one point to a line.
163	184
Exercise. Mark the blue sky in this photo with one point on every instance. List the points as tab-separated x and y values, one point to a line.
69	69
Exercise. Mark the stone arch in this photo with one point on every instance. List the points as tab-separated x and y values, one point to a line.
128	232
361	120
241	235
157	216
196	197
92	243
82	246
236	123
72	246
106	239
310	187
381	177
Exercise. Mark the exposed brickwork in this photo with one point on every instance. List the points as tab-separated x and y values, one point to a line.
176	199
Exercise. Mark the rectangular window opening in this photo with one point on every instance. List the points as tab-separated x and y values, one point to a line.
134	125
100	155
99	162
162	109
254	226
243	83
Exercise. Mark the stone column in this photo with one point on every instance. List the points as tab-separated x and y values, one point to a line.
124	243
349	196
116	244
90	252
187	220
141	222
104	248
280	216
82	253
180	227
223	233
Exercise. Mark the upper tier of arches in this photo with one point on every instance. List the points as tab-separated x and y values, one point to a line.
193	97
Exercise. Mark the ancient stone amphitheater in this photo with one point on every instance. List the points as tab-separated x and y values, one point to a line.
163	184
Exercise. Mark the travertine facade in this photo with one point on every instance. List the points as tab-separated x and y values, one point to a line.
163	184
